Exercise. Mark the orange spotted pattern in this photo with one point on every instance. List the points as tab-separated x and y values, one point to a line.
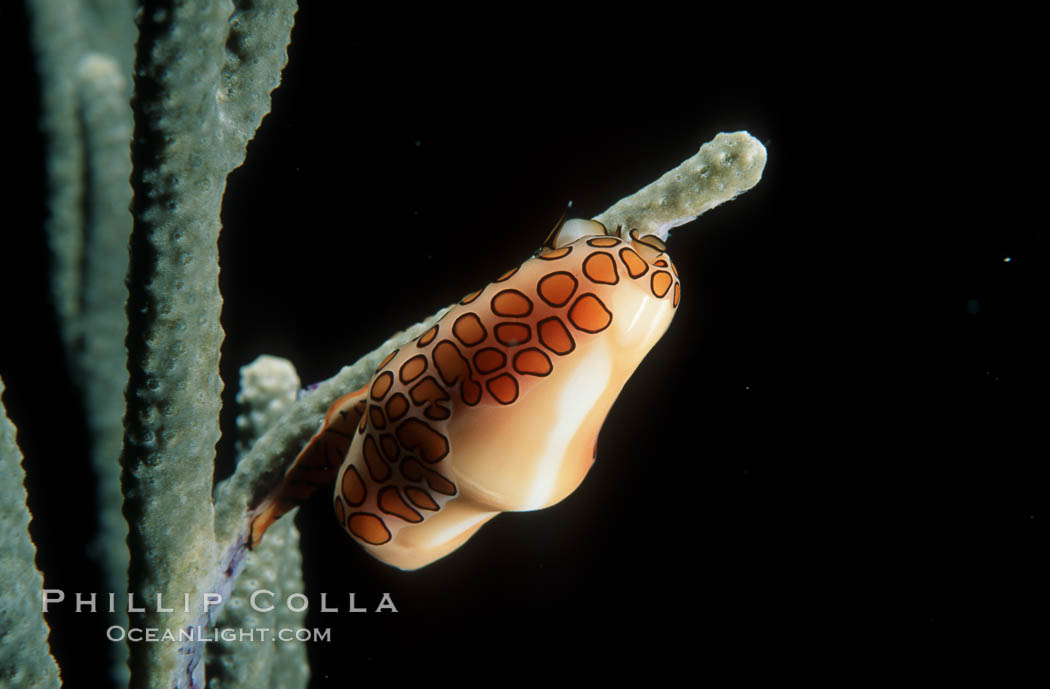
532	362
557	288
589	314
490	348
601	268
635	264
555	254
661	282
555	336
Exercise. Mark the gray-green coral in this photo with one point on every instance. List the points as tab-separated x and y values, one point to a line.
268	387
204	72
85	54
24	657
722	169
202	77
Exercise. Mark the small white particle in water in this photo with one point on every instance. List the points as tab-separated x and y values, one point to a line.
1007	259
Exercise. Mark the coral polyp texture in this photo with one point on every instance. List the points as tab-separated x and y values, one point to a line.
399	436
24	657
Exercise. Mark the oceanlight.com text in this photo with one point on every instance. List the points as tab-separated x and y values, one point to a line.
227	634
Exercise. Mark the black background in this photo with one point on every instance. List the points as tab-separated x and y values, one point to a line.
821	470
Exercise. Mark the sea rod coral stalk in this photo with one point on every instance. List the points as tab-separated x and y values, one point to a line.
24	657
204	73
85	53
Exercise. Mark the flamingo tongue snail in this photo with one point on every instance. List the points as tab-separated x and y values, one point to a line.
497	406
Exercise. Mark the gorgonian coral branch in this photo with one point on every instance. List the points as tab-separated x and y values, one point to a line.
84	53
723	168
204	72
269	387
24	657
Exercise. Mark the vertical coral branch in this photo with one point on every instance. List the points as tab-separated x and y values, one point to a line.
268	389
56	29
24	657
84	54
100	361
203	78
